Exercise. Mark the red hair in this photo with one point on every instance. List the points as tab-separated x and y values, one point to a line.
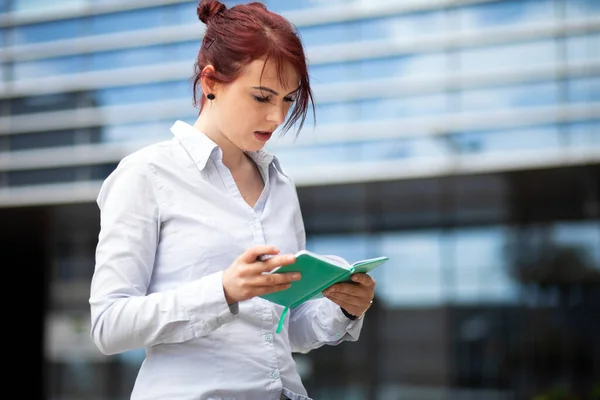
246	32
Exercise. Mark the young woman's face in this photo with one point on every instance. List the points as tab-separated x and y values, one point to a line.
255	104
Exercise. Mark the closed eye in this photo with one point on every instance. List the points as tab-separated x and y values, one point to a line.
261	99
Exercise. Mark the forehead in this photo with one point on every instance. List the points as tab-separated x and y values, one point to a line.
265	73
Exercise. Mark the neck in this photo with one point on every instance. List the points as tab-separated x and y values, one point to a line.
233	156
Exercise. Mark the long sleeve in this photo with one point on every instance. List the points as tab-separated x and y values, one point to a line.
123	315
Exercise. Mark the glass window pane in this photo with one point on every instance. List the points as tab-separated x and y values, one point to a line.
134	132
535	138
413	276
583	238
514	56
329	34
411	65
415	106
45	5
38	140
583	90
185	51
404	27
48	67
41	176
333	113
582	8
142	93
584	134
50	31
481	272
330	73
144	18
530	95
505	13
583	48
43	103
131	57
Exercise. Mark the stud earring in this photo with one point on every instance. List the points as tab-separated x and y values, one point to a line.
210	96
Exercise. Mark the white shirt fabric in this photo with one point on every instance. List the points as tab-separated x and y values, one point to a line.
172	219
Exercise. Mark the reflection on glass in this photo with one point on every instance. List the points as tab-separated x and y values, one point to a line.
42	176
534	138
45	5
48	67
581	8
583	90
317	155
43	103
130	57
583	48
583	236
411	65
350	247
142	93
329	34
414	273
480	272
143	18
406	27
513	56
504	13
137	132
331	73
405	66
38	140
430	104
584	134
333	113
46	32
493	99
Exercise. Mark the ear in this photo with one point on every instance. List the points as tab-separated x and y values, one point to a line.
206	82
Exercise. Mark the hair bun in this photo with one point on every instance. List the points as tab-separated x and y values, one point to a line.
208	9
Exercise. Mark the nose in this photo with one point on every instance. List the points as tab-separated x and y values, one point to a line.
276	114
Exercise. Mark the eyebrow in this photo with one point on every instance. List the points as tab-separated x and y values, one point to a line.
266	89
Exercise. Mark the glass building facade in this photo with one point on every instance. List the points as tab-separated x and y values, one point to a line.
459	137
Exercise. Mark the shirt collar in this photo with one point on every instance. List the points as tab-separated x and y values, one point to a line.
200	147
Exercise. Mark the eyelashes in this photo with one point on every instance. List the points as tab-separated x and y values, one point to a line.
268	99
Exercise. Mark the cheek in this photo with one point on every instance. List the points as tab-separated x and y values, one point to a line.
239	117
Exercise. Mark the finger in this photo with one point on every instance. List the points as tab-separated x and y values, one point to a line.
274	262
272	289
273	279
347	299
364	279
351	289
251	254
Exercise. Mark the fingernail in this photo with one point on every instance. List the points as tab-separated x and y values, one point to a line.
355	278
296	276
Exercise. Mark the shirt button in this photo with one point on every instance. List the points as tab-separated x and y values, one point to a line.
275	375
268	337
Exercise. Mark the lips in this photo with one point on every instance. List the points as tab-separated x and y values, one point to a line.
263	135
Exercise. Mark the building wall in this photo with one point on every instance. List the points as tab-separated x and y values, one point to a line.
461	138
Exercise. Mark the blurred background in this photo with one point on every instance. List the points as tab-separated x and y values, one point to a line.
461	138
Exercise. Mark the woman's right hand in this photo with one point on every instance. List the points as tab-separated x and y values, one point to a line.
246	277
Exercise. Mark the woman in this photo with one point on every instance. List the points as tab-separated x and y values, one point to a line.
183	223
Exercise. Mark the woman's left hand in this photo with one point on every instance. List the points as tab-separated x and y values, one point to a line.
355	297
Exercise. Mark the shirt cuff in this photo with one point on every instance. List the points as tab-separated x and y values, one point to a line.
342	327
205	303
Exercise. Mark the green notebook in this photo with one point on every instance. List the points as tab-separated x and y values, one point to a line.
318	273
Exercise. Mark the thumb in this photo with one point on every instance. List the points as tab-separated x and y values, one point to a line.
251	254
